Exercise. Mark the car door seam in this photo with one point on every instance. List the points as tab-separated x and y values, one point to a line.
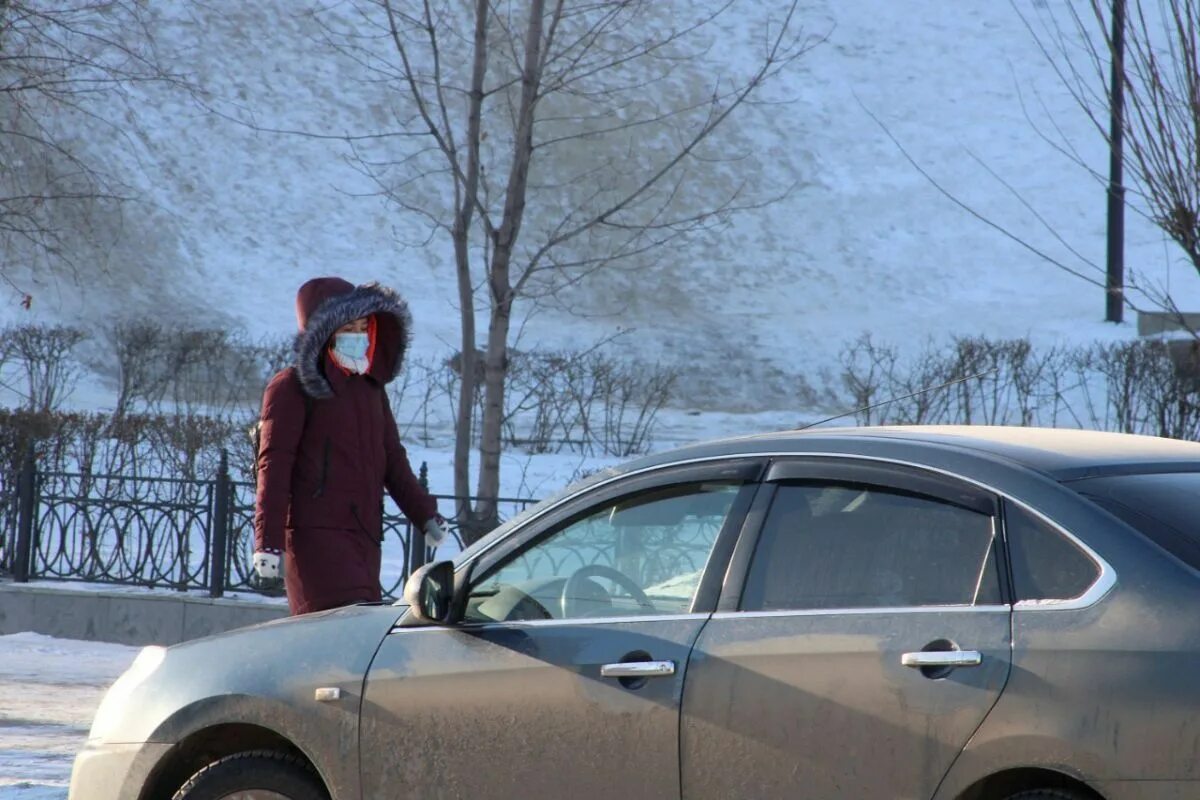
1000	693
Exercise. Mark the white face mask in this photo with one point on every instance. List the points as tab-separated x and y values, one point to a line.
350	350
351	345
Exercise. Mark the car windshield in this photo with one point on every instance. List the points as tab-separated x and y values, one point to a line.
1163	507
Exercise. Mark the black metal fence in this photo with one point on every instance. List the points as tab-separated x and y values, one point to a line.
186	535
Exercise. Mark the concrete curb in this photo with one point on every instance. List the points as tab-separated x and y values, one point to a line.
125	617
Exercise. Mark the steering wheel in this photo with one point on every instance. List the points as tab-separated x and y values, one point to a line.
571	589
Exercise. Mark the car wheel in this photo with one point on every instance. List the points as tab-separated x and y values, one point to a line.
1046	794
257	775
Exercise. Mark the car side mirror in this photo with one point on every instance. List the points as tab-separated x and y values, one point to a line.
430	593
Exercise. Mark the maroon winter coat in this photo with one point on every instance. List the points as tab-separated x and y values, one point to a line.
323	462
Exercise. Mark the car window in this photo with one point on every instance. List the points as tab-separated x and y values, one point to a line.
634	556
832	545
1046	565
1163	507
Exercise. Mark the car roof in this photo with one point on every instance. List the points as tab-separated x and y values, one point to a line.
1062	453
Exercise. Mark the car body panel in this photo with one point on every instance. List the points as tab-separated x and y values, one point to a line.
1108	694
544	691
803	698
819	705
444	706
264	675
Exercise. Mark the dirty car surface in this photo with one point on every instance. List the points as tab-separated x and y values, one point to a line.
914	612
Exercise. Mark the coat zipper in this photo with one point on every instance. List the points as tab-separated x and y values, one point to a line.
324	470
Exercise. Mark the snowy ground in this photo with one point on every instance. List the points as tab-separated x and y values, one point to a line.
864	243
49	689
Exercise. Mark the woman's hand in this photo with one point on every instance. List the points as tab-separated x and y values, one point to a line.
435	531
268	566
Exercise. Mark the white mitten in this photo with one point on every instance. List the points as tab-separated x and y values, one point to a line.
435	532
267	565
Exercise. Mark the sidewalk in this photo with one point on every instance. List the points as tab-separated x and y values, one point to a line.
125	615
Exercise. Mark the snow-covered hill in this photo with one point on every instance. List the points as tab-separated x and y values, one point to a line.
234	218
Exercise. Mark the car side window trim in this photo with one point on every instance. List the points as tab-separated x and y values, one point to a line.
1101	586
552	623
732	470
991	608
734	579
571	509
896	476
992	556
738	570
716	568
739	564
470	625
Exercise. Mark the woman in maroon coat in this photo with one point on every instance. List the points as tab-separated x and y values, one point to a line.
328	445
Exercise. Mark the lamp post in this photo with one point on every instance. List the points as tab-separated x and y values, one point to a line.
1115	276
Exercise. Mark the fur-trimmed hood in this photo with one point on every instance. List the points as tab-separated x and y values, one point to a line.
325	304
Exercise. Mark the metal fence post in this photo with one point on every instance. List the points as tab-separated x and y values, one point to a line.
26	509
416	536
416	549
219	545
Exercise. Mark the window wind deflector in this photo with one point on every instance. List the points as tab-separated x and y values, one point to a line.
899	477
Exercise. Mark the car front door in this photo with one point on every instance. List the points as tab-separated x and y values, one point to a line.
865	645
565	678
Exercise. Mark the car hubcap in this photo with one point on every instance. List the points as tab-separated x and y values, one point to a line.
255	794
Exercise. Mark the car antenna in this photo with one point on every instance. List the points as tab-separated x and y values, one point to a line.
927	389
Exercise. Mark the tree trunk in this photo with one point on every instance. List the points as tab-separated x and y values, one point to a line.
494	371
499	276
461	234
467	386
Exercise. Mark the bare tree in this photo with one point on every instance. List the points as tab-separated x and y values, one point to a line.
64	67
1158	66
139	348
540	141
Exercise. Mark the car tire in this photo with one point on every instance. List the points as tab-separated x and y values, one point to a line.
1046	794
277	776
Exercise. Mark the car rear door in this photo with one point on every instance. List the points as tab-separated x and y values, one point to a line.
861	640
565	680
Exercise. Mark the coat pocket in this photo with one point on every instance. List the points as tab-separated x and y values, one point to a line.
370	524
331	510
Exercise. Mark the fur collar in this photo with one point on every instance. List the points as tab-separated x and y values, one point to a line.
393	332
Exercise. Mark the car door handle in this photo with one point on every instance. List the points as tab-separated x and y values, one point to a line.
942	658
638	669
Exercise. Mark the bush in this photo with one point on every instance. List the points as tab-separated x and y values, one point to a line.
45	354
191	371
555	401
583	402
1143	386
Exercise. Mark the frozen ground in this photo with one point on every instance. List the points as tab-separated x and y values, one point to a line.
49	689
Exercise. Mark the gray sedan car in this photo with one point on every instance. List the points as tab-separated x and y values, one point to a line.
927	612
